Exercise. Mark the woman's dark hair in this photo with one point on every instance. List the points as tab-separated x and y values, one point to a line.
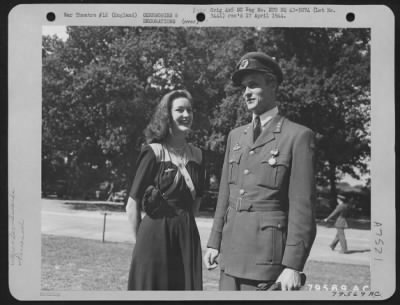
160	123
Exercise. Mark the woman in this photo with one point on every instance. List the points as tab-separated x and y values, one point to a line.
168	185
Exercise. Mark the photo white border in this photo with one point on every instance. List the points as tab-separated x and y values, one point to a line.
24	146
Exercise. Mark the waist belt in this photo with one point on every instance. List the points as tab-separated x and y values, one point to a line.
242	204
176	203
172	207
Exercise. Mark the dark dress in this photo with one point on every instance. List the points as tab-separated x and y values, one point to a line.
167	254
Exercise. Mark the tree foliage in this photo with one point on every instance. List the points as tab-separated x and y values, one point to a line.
101	85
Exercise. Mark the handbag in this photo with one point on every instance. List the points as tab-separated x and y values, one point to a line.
154	201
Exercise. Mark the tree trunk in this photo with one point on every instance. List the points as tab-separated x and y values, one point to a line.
332	183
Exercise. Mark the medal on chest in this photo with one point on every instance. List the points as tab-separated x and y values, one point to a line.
272	160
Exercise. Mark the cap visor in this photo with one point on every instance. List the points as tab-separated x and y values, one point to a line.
238	75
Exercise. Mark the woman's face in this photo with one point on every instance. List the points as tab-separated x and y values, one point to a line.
182	115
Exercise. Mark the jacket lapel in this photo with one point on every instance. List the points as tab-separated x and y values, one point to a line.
267	135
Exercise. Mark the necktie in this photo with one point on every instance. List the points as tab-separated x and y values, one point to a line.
257	128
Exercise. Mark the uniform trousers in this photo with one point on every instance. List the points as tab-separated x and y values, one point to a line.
227	282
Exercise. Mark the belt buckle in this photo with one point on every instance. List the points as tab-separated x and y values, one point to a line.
238	204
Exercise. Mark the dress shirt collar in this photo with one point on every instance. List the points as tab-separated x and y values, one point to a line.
267	116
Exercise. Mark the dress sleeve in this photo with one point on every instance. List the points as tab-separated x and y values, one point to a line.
146	167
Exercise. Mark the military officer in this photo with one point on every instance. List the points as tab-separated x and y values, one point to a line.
264	223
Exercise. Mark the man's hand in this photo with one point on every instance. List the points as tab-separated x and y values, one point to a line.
290	279
210	258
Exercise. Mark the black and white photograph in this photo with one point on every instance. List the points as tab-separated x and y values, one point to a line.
208	158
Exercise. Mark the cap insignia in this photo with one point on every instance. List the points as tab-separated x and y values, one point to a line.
244	64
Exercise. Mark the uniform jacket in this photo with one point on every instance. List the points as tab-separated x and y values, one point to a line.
264	219
341	210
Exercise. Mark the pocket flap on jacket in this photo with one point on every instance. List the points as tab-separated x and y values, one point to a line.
235	157
280	160
277	222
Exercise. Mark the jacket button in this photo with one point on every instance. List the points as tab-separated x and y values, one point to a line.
251	152
241	192
246	171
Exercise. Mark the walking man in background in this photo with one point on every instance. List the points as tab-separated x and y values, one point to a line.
264	223
340	224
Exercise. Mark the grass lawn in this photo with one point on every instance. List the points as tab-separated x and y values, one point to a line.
70	264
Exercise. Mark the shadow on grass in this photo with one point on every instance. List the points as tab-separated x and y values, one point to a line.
82	206
357	251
